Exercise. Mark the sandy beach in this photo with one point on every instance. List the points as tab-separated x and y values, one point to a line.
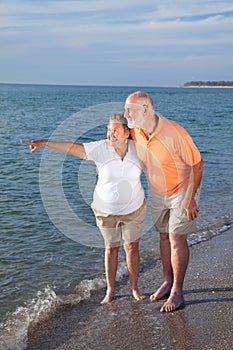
206	323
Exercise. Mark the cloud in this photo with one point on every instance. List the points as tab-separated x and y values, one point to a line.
117	31
169	9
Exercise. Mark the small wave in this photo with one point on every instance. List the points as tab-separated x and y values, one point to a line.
205	234
13	332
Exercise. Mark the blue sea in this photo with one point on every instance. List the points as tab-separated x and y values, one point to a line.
51	252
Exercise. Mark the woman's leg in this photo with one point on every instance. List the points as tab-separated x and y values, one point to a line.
133	265
111	262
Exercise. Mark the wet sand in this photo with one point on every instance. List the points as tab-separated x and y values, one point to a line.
206	323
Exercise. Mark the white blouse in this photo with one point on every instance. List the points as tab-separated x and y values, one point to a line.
118	190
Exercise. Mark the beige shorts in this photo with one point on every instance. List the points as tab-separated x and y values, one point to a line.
167	216
115	228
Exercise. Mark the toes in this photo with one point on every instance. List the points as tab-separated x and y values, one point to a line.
107	299
138	296
152	297
171	306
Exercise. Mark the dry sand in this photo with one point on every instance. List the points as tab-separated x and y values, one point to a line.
204	324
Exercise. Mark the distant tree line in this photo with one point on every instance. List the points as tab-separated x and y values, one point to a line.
209	83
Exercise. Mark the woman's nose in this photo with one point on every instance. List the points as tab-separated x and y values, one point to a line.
111	133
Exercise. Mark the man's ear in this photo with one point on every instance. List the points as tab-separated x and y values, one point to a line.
145	108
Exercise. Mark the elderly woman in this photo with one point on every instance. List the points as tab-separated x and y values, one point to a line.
118	201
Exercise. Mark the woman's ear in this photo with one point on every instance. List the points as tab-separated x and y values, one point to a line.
128	134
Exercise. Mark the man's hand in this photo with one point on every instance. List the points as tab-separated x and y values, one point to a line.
190	208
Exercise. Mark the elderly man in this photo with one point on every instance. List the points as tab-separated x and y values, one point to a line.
174	168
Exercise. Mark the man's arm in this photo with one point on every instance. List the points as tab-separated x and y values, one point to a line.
189	203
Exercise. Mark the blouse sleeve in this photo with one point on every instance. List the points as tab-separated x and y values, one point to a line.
95	151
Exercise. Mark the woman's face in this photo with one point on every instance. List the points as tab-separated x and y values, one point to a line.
116	133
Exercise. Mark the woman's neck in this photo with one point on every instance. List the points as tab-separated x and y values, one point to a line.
121	149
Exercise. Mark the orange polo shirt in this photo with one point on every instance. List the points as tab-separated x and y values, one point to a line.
169	155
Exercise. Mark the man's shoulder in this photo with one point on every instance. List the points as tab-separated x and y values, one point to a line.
135	133
171	125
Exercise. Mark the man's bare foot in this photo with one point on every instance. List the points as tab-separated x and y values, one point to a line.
174	302
162	292
108	298
137	295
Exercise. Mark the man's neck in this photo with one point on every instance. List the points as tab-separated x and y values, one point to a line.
151	126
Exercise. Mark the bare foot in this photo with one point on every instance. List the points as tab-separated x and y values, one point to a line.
162	292
108	298
137	295
174	302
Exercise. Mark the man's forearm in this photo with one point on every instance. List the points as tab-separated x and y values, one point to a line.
195	179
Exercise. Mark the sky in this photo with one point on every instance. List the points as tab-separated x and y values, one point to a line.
116	42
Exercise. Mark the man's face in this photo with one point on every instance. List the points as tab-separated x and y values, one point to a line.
134	114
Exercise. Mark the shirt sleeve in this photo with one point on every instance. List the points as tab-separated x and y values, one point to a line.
95	150
189	152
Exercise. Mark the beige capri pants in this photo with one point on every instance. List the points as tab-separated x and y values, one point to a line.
115	228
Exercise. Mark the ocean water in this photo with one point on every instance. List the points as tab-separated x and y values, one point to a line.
51	252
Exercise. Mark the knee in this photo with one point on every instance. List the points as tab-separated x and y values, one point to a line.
164	237
178	241
131	248
112	250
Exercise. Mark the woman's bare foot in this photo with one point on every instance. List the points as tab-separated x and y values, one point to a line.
162	292
108	298
174	302
137	295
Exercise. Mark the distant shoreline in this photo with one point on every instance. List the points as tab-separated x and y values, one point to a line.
186	85
209	84
209	87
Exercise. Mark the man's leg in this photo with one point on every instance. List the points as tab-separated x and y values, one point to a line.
179	263
133	265
165	251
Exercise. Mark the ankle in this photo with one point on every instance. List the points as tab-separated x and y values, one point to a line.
110	291
176	291
168	281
